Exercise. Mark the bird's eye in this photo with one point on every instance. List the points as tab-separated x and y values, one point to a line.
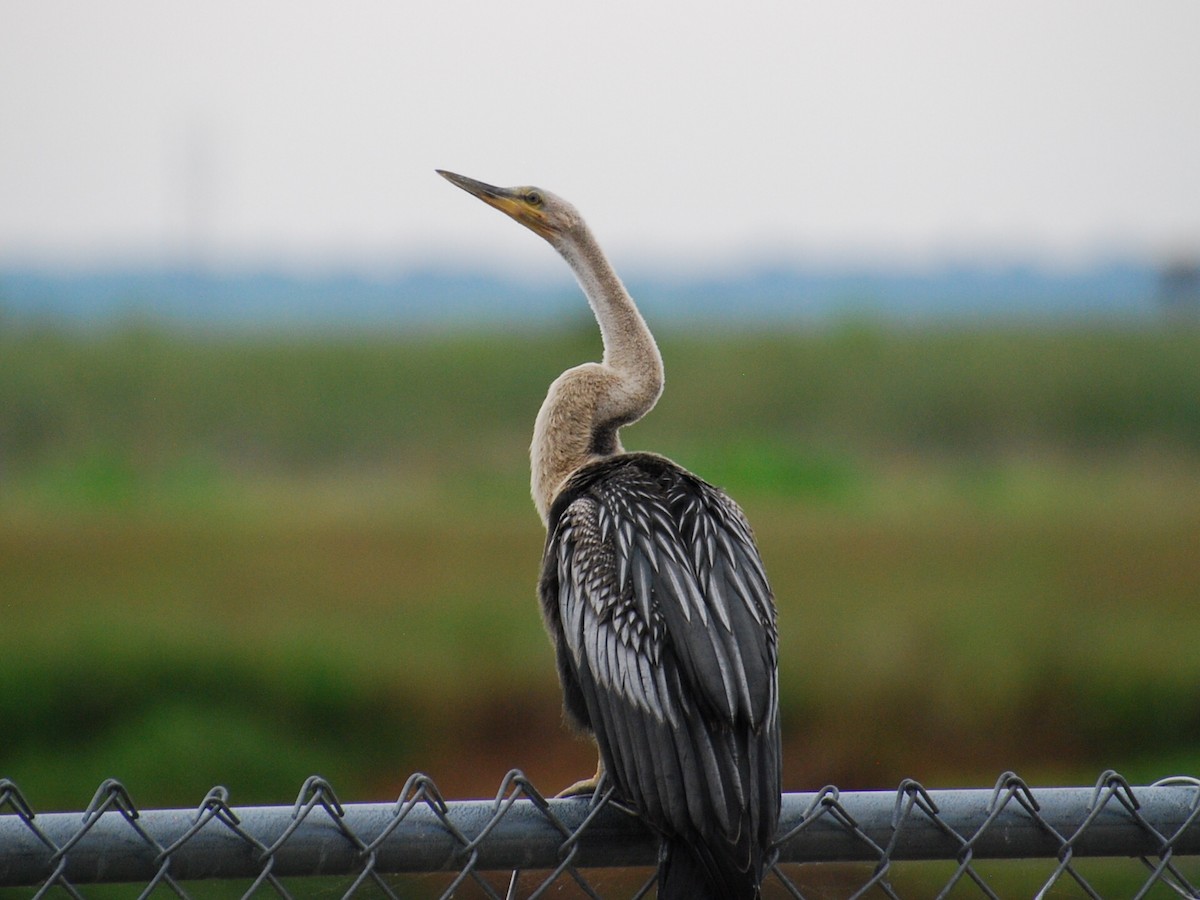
533	198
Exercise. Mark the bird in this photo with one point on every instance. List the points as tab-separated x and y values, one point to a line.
654	595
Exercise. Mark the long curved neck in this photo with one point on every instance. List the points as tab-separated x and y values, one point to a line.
586	405
629	347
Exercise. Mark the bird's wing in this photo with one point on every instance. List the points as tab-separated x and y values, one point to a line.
670	629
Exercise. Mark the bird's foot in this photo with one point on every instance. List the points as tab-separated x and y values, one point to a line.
589	787
584	788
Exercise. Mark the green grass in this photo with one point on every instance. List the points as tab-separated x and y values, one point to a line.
248	559
150	403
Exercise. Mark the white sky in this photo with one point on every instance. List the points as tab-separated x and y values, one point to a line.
284	131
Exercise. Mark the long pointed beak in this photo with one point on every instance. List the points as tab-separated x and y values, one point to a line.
509	201
482	190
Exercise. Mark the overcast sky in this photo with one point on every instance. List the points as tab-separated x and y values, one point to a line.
276	131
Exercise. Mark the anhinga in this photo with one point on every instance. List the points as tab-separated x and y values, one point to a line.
654	594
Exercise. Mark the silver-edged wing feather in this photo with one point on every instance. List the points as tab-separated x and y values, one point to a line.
665	628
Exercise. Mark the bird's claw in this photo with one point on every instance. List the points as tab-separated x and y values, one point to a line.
584	788
589	787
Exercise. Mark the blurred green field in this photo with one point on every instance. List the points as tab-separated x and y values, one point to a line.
244	559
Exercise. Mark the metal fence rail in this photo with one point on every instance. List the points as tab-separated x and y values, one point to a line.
556	842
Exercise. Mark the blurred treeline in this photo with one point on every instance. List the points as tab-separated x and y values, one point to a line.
245	558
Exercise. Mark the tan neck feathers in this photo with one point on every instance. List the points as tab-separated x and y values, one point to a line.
586	405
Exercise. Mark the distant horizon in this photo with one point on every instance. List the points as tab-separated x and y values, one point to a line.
786	291
549	267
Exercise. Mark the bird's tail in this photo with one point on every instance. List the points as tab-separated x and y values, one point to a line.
688	870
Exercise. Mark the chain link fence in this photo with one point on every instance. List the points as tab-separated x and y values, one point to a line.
831	843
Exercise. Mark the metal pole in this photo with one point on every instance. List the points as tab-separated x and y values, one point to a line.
122	844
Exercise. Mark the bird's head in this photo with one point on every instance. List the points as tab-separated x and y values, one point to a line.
540	211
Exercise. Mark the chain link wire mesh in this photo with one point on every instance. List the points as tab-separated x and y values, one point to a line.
558	846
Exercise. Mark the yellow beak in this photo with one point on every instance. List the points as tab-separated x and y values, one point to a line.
510	201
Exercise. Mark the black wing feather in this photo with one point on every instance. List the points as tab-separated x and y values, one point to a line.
664	625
